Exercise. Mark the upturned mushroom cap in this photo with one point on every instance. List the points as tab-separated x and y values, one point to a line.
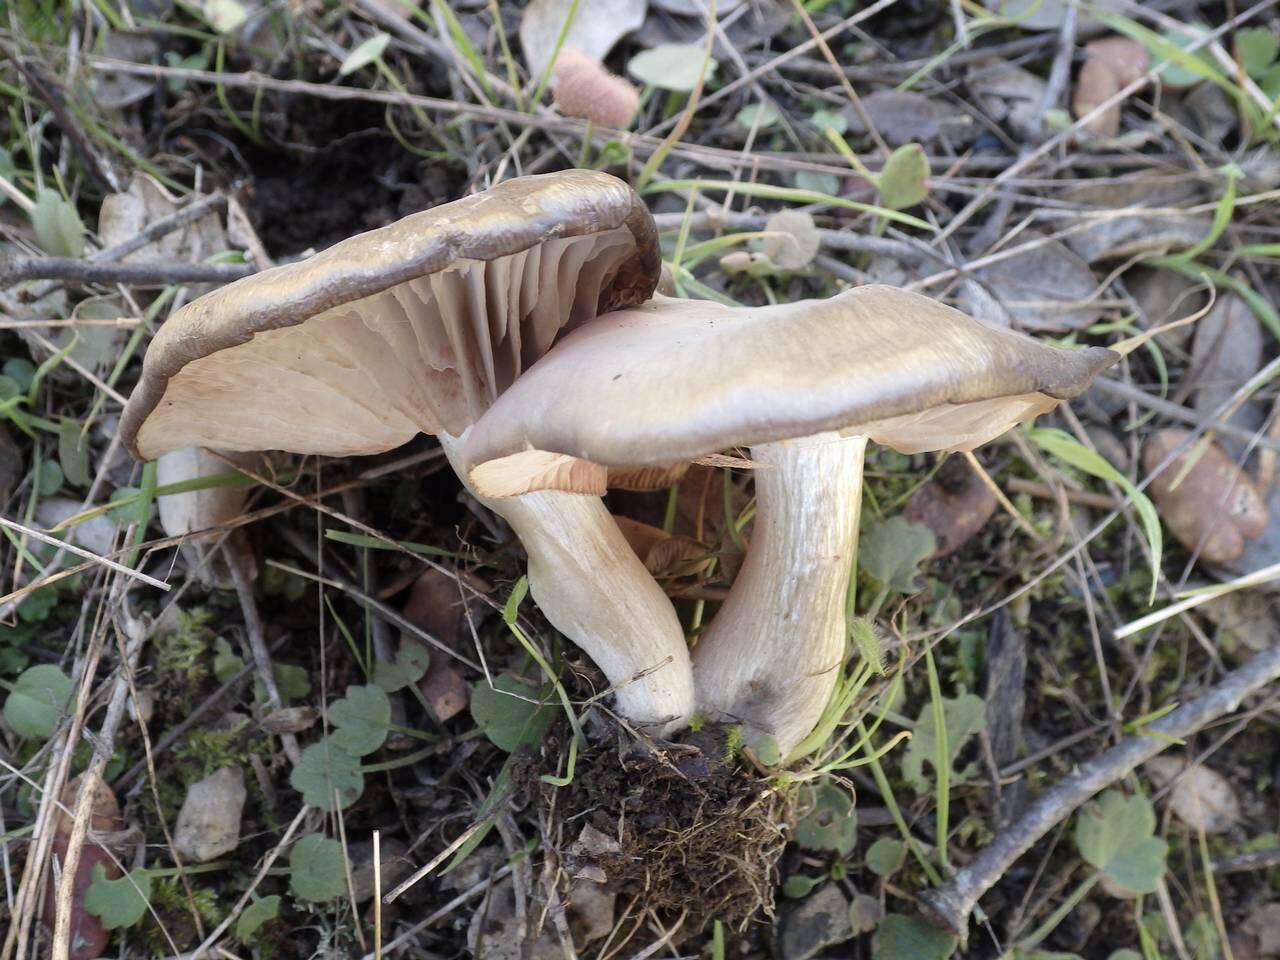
677	379
414	327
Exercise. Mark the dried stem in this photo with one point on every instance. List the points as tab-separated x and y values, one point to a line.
949	906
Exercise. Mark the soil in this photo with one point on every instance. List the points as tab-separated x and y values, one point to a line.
695	834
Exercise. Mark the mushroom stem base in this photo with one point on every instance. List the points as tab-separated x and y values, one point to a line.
592	587
771	657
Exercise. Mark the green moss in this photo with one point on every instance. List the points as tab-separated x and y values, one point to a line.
180	654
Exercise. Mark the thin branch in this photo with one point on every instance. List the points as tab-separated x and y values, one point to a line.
949	906
17	269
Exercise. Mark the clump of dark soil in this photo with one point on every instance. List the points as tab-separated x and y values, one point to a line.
680	828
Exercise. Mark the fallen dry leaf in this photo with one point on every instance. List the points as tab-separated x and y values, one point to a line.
1200	797
662	553
596	27
1008	94
88	937
1047	288
1163	296
1110	64
435	604
902	116
1228	350
1215	507
955	505
208	824
590	911
1116	235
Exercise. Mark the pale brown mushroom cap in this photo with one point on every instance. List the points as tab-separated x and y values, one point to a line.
415	327
677	379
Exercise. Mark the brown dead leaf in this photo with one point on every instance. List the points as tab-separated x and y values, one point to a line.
1244	618
393	857
208	824
1008	94
1110	64
436	605
1227	351
902	116
445	688
1115	235
1047	288
662	553
1215	507
955	505
124	215
88	937
1200	797
1163	297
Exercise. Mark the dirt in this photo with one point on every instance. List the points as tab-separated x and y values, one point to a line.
696	835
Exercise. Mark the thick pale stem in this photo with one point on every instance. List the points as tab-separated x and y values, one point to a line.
771	657
590	585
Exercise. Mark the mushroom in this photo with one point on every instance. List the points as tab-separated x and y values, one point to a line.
192	511
418	327
804	385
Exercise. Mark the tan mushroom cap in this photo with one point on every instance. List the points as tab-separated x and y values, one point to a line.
678	379
415	327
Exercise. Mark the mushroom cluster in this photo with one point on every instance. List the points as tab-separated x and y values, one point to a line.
520	326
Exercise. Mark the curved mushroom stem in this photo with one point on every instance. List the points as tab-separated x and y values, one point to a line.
592	587
196	510
771	657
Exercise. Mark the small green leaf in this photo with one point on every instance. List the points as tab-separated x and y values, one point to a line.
118	903
767	750
902	181
911	938
817	183
317	869
1125	954
822	119
867	643
511	609
73	453
892	550
292	681
226	663
255	915
1116	834
361	720
758	115
832	824
1067	449
133	507
506	714
886	856
798	885
365	54
37	701
59	230
21	371
1258	48
51	478
964	716
671	66
411	662
328	777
